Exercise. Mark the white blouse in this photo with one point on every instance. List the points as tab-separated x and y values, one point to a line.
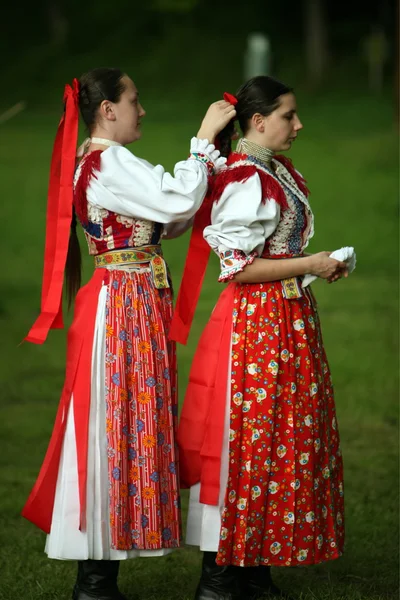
132	187
240	224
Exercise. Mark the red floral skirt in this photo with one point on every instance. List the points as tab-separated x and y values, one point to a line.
284	499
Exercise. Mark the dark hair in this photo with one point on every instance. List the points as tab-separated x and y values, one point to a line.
258	95
94	87
73	265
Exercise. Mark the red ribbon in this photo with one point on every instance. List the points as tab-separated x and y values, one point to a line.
39	506
58	219
201	425
193	275
230	98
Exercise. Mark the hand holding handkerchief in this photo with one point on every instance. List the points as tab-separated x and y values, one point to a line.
345	254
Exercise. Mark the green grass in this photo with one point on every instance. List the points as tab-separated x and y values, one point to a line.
348	152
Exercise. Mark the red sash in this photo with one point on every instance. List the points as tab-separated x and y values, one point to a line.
39	506
201	426
58	220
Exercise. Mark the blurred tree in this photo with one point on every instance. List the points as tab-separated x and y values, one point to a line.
257	58
58	23
376	53
316	40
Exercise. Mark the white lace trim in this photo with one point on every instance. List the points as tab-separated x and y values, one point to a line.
204	146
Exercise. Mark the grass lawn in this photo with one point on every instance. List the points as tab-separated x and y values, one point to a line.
348	152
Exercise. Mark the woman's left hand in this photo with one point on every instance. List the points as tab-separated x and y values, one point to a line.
339	275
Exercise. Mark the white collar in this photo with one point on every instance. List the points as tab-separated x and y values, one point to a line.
83	148
103	141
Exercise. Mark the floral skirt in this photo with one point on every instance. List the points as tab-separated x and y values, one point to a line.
284	500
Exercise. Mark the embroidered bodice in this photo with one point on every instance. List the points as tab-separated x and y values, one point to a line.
296	222
106	230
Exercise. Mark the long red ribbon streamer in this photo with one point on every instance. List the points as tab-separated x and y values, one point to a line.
58	220
39	506
193	276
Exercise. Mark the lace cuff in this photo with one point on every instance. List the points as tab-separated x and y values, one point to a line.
206	153
232	262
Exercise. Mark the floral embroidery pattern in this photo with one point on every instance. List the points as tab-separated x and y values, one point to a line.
200	156
232	262
141	415
284	499
296	225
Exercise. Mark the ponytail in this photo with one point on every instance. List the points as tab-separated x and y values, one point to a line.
224	139
73	266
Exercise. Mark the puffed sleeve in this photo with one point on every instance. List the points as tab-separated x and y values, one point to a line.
240	224
133	187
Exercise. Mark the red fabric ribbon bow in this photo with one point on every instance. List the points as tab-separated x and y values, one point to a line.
58	219
230	98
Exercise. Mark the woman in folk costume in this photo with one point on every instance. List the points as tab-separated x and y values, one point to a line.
108	488
258	438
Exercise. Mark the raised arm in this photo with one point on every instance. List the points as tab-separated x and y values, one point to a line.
133	187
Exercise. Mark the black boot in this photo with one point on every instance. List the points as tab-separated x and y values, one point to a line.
257	584
217	583
97	580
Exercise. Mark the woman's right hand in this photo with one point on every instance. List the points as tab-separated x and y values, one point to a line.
325	267
216	118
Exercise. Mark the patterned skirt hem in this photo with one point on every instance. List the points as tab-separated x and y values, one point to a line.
153	549
294	563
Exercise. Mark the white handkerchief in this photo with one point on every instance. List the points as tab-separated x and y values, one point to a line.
345	254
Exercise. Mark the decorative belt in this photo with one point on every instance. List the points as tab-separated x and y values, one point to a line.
291	286
151	255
